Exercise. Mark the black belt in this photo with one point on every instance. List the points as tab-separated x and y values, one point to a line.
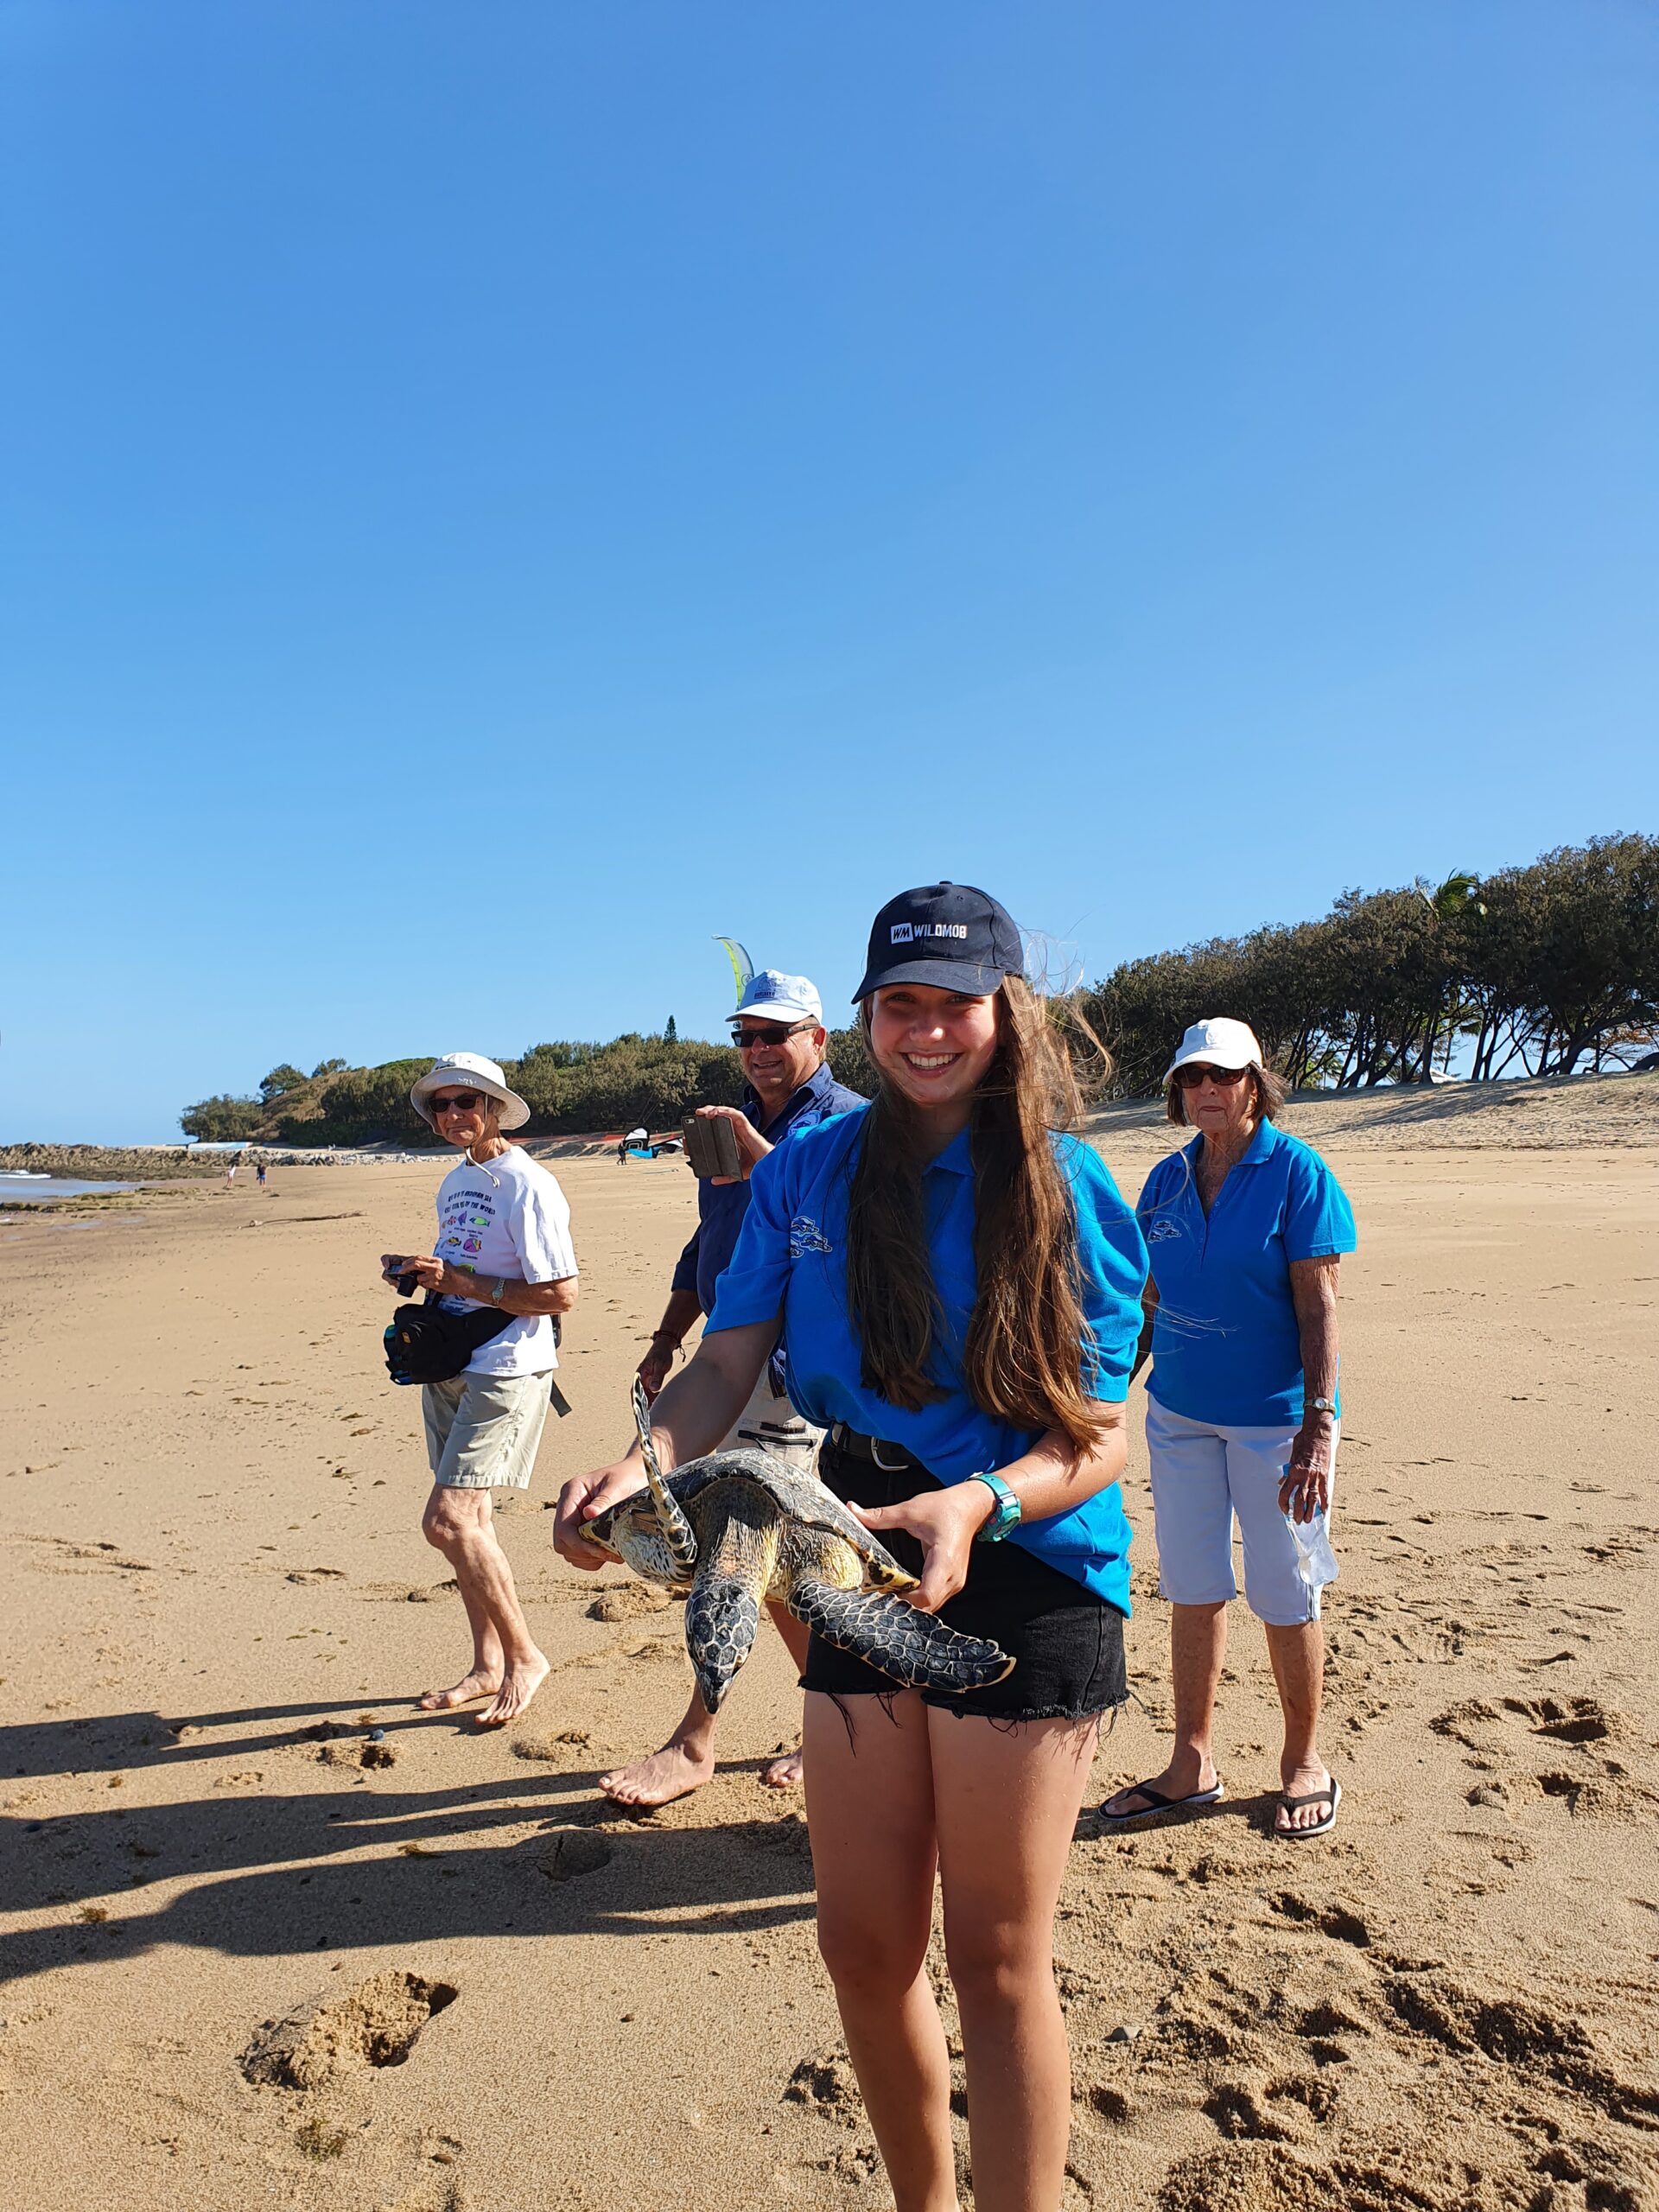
892	1458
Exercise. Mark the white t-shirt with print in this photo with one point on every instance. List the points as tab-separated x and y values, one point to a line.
507	1216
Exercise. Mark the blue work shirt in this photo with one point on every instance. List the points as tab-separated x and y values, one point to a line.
791	1259
722	1206
1225	1344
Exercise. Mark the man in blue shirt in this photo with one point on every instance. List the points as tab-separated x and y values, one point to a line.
779	1031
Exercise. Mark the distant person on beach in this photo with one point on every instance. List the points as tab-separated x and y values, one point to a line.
259	1173
1245	1227
504	1243
780	1037
957	1285
230	1174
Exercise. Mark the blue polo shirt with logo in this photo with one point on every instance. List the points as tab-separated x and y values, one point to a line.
1225	1344
791	1259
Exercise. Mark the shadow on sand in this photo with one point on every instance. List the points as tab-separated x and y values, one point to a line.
271	1873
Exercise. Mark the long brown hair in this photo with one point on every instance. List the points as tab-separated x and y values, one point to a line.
1023	1360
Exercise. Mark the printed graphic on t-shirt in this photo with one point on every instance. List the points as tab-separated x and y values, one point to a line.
805	1235
462	1221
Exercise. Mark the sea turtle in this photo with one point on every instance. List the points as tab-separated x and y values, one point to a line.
735	1527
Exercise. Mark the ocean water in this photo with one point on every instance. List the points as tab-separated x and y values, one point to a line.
13	1187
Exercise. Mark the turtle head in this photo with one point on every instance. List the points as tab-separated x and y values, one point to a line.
721	1617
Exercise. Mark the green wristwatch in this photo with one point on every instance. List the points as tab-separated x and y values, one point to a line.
1005	1514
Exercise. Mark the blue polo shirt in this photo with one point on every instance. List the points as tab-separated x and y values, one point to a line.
791	1259
1225	1344
722	1206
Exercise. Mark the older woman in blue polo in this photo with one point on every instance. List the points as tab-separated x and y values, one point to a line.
1245	1228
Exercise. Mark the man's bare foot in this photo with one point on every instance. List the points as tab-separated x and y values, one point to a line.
668	1774
518	1686
787	1771
467	1691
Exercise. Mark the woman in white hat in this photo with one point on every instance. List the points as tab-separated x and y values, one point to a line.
503	1247
1244	1228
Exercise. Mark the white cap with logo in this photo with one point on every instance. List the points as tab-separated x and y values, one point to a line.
777	997
1223	1043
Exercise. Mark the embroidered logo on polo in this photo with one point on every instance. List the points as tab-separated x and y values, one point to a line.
908	933
1162	1230
805	1235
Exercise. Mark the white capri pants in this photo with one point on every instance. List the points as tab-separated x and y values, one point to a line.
1203	1477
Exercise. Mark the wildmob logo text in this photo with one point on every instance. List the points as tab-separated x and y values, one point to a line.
907	932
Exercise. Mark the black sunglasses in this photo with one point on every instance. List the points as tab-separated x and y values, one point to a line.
458	1102
1190	1076
747	1039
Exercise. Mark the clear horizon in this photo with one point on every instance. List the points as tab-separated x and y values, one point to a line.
507	497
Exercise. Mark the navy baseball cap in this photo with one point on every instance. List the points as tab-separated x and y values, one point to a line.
947	935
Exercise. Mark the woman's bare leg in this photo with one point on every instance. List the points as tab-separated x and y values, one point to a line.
869	1802
788	1770
459	1522
1198	1644
1006	1806
1298	1657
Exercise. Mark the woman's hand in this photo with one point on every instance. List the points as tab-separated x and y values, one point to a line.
752	1147
1305	1488
582	1498
945	1523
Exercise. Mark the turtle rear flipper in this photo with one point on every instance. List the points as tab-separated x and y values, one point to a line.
913	1647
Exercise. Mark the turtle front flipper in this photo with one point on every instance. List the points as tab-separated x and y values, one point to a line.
677	1532
913	1647
735	1571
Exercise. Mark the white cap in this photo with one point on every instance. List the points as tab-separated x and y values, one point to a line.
468	1071
1223	1043
781	998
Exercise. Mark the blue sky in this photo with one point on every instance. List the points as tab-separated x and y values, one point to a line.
498	495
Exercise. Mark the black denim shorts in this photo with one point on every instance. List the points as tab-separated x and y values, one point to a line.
1067	1643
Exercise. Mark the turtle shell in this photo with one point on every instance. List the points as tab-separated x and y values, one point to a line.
798	1497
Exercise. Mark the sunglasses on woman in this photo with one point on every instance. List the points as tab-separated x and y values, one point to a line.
747	1039
457	1102
1189	1078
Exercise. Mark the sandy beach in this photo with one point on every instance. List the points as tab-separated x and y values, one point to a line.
255	1955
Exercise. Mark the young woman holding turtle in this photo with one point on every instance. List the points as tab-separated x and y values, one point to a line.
958	1287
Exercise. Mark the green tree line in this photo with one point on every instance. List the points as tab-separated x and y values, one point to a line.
571	1088
1542	970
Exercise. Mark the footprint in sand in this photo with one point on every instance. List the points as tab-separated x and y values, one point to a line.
374	2024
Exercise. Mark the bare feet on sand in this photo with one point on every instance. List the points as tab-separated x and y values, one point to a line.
787	1771
467	1691
668	1774
518	1686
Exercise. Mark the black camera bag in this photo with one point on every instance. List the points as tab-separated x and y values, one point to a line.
425	1344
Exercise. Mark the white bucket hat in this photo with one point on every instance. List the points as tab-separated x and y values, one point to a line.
468	1071
1223	1043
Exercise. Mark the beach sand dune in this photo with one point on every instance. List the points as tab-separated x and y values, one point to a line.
257	1953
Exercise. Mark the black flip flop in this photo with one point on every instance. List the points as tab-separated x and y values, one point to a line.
1330	1795
1157	1802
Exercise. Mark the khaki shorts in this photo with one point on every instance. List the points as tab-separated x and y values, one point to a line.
482	1430
774	1423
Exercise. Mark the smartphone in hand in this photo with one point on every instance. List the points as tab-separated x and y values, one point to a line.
711	1146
